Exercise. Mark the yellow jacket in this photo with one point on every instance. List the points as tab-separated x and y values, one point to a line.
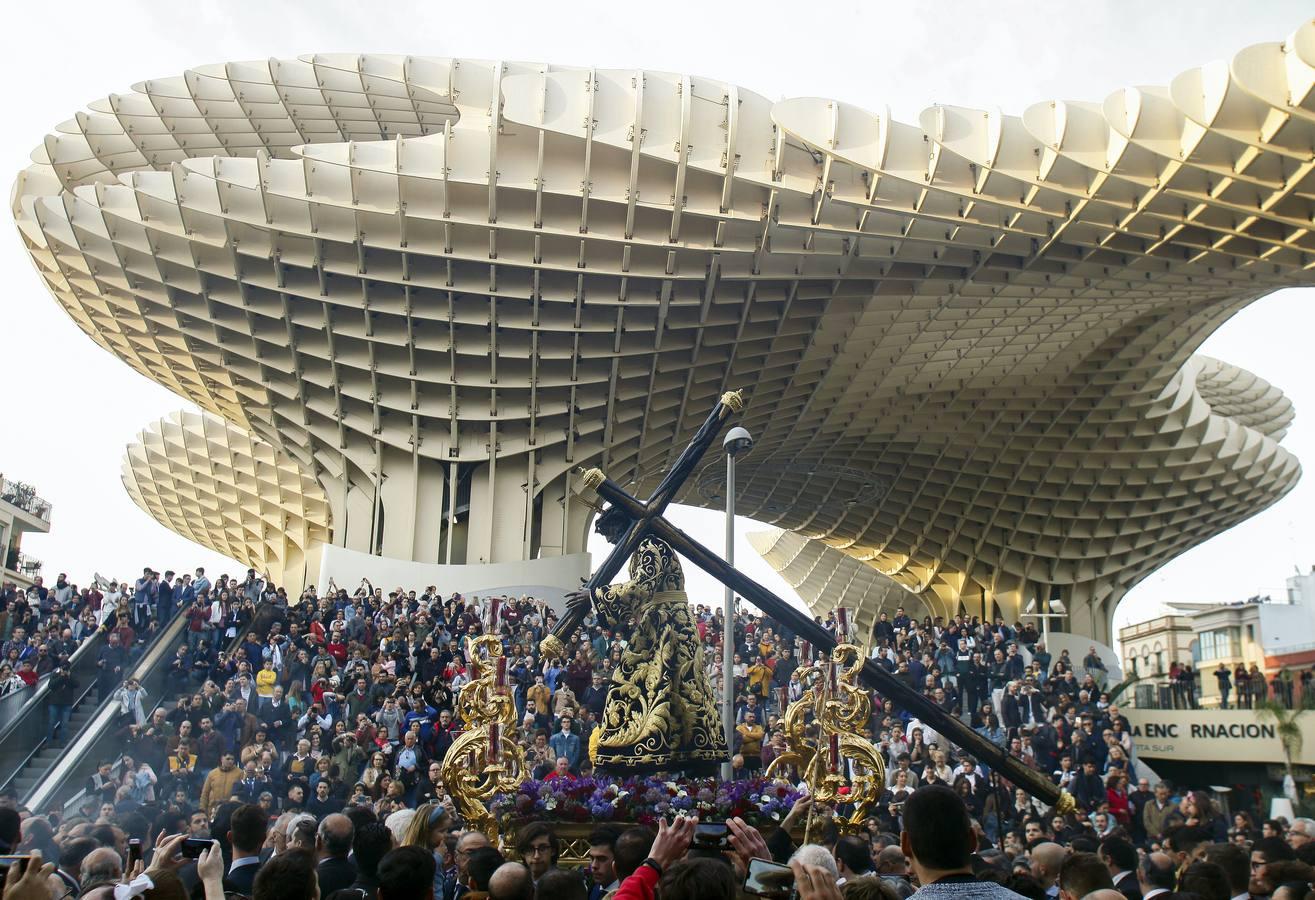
265	680
218	787
760	680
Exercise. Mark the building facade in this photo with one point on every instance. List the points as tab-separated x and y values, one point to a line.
441	286
1149	648
1277	637
21	512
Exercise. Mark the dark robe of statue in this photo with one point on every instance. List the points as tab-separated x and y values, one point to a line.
660	714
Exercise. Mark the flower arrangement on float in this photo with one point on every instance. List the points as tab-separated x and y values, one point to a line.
759	802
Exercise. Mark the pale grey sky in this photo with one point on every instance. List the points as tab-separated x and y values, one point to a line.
71	408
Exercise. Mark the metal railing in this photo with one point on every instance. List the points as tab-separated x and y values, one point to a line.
27	566
97	735
24	724
97	740
24	496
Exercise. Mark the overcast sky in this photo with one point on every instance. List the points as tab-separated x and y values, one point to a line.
71	408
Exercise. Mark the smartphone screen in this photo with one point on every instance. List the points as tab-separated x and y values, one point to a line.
134	852
768	879
193	847
712	834
20	861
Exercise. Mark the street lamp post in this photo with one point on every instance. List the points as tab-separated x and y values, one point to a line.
738	441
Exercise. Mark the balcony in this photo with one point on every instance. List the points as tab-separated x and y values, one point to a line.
23	496
20	568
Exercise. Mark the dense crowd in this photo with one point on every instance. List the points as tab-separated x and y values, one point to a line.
319	722
42	627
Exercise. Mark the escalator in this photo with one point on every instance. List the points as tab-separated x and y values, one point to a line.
61	785
24	751
91	727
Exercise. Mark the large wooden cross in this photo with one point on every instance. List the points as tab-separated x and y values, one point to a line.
646	518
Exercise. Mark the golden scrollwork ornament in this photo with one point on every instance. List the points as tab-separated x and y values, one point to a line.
486	759
824	737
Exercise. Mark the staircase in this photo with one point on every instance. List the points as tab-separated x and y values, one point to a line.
45	757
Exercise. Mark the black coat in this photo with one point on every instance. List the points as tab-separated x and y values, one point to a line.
335	873
242	880
63	689
1128	886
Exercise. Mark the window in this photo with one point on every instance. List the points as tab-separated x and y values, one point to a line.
1221	643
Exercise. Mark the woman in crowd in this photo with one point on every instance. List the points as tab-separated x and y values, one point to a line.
991	728
939	769
1116	795
373	772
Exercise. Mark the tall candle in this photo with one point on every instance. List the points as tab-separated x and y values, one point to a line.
783	697
806	652
835	752
842	616
500	680
831	676
495	742
493	615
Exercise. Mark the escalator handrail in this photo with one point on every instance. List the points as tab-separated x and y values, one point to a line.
106	717
9	723
85	689
154	653
38	745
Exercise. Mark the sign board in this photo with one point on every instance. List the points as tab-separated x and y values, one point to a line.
1214	735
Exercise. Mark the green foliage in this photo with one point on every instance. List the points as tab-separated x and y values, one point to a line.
1122	686
1286	725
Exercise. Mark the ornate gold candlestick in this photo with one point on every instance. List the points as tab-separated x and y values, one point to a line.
498	766
839	765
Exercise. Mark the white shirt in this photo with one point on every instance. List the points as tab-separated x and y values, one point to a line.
243	861
1154	893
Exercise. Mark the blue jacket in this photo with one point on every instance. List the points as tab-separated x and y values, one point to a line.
567	745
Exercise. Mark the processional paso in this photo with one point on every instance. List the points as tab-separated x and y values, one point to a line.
485	760
630	524
824	742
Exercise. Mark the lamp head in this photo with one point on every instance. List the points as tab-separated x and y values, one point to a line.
738	441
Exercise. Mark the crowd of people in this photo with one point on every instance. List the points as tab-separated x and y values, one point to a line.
310	730
41	627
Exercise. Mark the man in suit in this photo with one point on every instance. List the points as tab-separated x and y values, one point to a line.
1048	742
1137	800
1088	788
1236	864
602	861
246	834
1120	857
1081	875
1047	858
278	718
1156	876
333	843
